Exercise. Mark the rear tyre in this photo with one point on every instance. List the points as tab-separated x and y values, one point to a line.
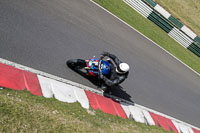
76	63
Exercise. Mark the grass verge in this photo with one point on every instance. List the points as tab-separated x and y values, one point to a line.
22	112
187	11
149	29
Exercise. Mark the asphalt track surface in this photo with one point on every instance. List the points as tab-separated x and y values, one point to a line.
43	34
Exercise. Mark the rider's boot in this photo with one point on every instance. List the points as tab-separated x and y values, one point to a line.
103	88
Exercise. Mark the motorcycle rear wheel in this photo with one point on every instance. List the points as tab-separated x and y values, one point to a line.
76	63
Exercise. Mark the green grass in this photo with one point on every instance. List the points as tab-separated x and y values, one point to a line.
22	112
187	11
149	29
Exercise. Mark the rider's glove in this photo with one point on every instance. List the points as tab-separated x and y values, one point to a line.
101	76
101	58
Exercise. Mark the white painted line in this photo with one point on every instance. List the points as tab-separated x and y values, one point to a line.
144	36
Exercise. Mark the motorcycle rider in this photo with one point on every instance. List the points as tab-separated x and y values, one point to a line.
118	71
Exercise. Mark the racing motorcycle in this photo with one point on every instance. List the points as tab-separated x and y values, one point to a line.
91	67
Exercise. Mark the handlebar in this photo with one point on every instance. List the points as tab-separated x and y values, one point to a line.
99	62
99	67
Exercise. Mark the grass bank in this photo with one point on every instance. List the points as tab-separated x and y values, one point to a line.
149	29
22	112
187	11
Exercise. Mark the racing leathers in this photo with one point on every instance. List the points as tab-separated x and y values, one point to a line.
113	78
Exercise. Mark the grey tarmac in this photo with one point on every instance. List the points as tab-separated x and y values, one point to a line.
43	34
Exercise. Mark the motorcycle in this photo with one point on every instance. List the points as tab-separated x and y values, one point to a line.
94	67
91	67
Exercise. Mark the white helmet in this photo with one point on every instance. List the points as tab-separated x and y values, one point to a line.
122	68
